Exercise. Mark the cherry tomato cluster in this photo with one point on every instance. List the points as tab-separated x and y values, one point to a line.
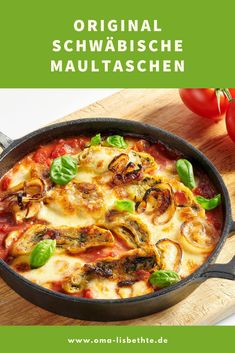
212	103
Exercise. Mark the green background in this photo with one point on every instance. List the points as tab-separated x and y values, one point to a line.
28	29
54	339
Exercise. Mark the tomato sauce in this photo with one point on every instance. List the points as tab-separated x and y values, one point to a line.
45	154
94	254
161	153
7	225
87	293
3	250
5	182
142	275
180	198
215	217
204	188
56	286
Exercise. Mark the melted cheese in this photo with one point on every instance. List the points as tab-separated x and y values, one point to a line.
20	174
57	267
171	231
53	214
69	206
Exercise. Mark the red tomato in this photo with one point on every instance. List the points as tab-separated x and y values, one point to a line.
59	150
141	146
7	228
87	293
80	143
48	162
180	198
203	101
45	154
142	275
230	120
5	182
215	217
40	156
3	250
57	286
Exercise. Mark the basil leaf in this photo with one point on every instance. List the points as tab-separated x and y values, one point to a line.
185	171
125	205
209	204
96	140
63	169
117	141
164	278
42	252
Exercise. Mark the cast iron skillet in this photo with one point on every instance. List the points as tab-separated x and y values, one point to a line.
118	309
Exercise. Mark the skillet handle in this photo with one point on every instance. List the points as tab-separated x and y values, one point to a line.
226	271
5	141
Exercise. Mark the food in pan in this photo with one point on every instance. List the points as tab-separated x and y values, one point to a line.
107	217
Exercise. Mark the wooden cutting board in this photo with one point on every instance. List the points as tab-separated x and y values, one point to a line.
215	298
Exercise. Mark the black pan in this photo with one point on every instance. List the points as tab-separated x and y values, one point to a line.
118	309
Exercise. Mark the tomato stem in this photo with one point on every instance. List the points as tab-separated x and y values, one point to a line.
227	93
217	92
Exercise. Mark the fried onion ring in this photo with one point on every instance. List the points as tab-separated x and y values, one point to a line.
198	237
159	202
170	254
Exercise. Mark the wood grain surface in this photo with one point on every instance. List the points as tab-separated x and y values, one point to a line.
215	298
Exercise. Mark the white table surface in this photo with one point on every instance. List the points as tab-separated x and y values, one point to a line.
24	110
